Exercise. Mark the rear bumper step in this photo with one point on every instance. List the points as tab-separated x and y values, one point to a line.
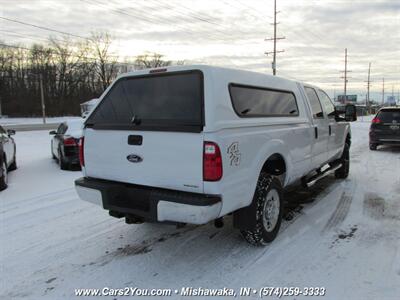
148	203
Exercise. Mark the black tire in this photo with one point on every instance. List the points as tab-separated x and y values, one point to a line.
268	188
51	150
61	162
13	166
343	171
373	147
3	171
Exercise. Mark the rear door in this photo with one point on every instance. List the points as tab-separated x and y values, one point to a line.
335	130
320	128
147	130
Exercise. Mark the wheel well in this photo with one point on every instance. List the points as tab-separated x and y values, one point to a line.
274	165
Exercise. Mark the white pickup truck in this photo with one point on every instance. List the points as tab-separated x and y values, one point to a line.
191	144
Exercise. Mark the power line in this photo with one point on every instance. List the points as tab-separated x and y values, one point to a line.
150	19
29	36
45	28
70	55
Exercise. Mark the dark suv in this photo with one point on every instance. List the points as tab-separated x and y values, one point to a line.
385	128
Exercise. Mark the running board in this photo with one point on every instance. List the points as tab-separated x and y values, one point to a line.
309	182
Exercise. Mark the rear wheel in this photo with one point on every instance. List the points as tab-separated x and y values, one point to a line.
3	175
266	209
343	171
373	147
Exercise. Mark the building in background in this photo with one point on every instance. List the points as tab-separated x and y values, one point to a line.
347	99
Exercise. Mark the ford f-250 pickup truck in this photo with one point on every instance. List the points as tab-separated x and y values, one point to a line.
191	144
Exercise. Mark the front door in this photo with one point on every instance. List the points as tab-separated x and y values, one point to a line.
320	129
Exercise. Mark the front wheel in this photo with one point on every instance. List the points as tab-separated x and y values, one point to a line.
61	162
3	176
267	210
373	147
343	171
13	166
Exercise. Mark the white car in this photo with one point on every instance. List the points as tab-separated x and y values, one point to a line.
191	144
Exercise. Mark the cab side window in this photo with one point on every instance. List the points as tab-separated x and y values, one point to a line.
327	104
316	107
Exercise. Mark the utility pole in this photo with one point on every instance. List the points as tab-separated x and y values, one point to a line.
368	86
383	91
345	77
42	98
275	39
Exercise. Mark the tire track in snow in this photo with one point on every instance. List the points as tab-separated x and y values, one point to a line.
8	206
342	208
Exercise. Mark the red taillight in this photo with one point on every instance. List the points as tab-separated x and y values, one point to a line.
376	121
212	162
70	142
81	154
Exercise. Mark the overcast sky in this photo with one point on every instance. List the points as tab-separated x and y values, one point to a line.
231	33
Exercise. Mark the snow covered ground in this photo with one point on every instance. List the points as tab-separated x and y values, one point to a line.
24	121
341	235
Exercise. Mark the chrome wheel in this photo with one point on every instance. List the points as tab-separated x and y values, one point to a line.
271	210
4	172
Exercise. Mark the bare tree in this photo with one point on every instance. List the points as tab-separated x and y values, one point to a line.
106	63
154	60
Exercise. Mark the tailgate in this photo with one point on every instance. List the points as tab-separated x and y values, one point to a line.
147	130
170	160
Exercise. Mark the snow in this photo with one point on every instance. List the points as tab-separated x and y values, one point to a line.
24	121
347	239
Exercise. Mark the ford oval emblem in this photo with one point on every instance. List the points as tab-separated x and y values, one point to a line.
134	158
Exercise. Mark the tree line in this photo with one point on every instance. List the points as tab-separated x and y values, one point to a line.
71	72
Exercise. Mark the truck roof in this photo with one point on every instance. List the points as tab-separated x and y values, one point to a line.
205	68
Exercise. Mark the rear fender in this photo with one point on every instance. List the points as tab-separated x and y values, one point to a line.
270	148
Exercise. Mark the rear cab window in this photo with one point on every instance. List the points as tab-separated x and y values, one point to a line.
161	102
251	101
389	116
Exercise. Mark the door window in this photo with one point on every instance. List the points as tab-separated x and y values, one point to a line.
327	104
316	107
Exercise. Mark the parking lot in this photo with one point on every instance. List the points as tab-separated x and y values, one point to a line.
341	235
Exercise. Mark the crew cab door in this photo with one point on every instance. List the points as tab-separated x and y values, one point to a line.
336	130
320	128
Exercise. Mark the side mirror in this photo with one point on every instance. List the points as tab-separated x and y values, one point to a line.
10	132
53	132
350	114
